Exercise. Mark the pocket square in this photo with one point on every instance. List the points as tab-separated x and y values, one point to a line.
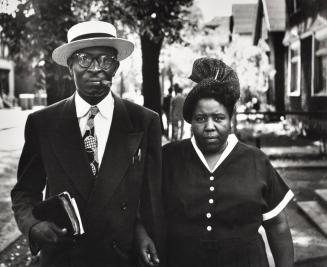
138	155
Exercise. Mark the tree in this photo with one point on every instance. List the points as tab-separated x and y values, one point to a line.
156	21
176	59
53	19
31	34
253	68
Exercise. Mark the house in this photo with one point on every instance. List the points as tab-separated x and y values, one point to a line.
306	72
243	21
221	28
7	81
269	30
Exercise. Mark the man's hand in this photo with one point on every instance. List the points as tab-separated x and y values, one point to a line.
146	247
46	234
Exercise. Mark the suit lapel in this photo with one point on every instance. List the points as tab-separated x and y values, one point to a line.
121	146
68	146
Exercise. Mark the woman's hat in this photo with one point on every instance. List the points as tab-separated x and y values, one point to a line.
206	67
214	78
90	34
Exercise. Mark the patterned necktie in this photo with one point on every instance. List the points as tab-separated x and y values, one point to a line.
91	142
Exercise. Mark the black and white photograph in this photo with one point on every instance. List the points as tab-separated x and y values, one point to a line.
163	133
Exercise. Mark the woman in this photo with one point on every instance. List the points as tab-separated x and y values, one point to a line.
217	190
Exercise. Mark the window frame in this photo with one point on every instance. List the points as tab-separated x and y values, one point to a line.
294	46
317	37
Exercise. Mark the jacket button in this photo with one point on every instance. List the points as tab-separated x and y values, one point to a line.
114	244
123	206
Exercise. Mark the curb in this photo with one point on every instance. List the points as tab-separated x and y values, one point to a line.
298	166
303	163
9	233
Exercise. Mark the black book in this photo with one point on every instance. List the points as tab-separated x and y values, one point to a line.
61	210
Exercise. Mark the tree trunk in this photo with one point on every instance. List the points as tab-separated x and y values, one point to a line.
150	72
58	85
56	17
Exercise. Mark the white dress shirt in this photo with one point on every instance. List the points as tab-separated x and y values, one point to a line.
102	121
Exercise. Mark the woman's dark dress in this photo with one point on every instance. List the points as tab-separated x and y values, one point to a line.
213	218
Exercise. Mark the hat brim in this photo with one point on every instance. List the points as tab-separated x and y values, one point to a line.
124	48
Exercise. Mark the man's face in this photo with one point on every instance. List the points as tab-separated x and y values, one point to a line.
92	69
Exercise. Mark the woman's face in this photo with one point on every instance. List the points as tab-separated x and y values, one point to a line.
211	125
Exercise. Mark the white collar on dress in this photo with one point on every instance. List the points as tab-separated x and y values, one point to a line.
231	143
105	106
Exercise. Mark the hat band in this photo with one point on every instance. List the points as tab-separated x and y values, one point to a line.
92	35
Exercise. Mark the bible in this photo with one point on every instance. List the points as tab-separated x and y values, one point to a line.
62	210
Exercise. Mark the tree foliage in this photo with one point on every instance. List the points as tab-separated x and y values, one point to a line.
155	21
36	28
41	25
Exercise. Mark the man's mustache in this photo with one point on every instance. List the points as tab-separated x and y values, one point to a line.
106	83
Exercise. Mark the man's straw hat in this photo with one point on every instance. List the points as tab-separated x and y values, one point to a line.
89	34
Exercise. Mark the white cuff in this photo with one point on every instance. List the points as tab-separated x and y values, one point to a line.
271	214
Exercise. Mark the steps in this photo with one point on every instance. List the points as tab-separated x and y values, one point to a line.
322	196
311	152
316	210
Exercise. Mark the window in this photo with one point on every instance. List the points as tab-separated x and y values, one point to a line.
294	6
319	87
294	68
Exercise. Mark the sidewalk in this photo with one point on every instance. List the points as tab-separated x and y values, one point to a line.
302	157
11	143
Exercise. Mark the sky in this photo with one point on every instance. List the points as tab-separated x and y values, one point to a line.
210	8
214	8
8	5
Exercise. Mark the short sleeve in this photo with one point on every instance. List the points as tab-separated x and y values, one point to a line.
277	194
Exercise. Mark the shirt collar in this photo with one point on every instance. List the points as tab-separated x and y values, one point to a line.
231	143
105	106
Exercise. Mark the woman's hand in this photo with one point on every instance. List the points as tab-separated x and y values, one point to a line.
145	246
280	240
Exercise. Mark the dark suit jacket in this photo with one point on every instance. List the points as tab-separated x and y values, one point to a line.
129	181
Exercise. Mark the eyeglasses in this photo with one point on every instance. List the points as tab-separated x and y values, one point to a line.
105	62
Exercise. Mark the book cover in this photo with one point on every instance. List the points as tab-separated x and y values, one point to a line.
61	210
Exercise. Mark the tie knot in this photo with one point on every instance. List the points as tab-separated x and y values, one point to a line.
94	110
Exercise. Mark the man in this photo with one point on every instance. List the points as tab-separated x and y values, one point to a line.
177	120
166	109
102	150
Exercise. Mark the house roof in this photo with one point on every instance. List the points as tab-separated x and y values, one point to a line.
275	14
221	28
221	22
244	18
